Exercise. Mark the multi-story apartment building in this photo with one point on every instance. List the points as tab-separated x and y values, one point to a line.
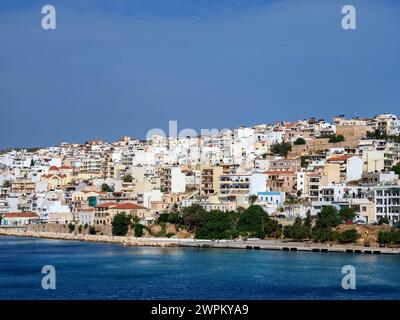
387	201
210	180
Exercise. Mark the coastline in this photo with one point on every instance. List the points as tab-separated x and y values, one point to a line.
254	244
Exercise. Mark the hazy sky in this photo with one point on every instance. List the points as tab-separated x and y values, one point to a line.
123	67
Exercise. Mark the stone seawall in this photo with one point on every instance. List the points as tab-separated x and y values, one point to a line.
131	241
254	244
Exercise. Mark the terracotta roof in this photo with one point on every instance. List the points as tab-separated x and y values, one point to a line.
127	206
107	204
53	168
54	175
279	172
21	215
65	167
342	157
86	209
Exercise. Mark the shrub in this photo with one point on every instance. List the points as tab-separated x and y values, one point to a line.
383	220
392	236
321	234
299	141
92	230
346	236
296	232
139	230
281	149
71	227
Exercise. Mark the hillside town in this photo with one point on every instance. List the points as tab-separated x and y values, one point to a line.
288	168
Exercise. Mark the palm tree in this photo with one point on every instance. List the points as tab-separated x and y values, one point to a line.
252	199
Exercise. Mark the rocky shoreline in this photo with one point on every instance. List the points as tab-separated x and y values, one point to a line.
131	241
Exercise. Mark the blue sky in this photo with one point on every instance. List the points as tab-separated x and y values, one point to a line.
124	67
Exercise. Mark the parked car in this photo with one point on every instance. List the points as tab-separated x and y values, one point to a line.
349	222
382	245
367	244
360	222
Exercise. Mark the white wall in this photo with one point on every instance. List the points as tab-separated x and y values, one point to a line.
258	183
178	181
354	168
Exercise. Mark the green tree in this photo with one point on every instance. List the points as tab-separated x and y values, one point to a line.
252	199
106	188
80	228
299	141
328	217
281	149
92	230
377	134
128	178
170	217
396	168
347	214
193	216
383	220
335	139
272	228
215	225
252	219
120	224
308	219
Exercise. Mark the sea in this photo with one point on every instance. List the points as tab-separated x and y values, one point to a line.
102	271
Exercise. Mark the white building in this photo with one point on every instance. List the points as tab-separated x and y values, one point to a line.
387	201
86	216
178	180
354	169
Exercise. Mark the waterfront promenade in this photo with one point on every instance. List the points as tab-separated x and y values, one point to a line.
250	244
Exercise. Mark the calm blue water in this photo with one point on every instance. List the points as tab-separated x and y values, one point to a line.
109	271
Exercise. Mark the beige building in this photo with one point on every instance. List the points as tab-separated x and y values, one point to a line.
25	186
283	181
210	180
104	213
352	131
